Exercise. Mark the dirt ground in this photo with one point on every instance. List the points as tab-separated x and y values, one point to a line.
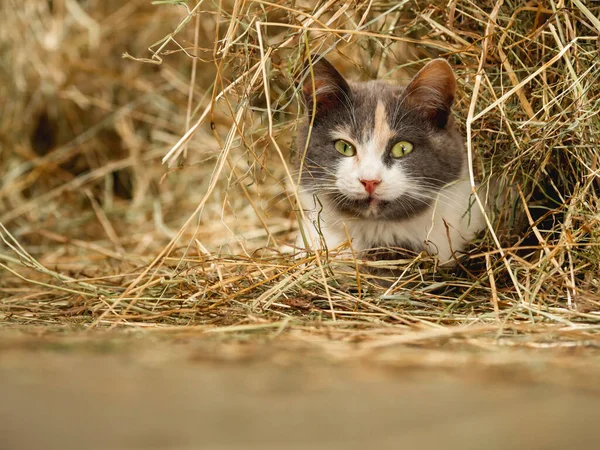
174	390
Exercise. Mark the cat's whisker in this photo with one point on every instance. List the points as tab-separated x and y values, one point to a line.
432	191
439	199
318	166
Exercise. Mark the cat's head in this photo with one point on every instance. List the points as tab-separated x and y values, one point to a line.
376	150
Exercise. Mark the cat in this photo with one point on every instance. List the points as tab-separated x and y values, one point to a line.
384	164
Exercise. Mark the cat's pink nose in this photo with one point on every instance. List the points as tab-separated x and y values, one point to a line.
370	185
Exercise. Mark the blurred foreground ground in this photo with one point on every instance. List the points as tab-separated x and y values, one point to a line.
120	390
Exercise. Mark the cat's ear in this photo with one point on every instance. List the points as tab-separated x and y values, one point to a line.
323	84
431	92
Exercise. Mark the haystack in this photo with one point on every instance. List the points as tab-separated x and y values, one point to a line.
147	163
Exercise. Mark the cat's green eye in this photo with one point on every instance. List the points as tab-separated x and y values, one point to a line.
344	148
401	149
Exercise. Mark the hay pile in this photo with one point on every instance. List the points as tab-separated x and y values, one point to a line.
96	230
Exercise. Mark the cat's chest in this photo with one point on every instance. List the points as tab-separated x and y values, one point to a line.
410	234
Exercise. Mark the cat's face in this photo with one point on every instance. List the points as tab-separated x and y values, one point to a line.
376	150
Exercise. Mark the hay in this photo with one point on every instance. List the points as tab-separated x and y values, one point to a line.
98	232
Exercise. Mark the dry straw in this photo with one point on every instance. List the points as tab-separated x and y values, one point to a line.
97	231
